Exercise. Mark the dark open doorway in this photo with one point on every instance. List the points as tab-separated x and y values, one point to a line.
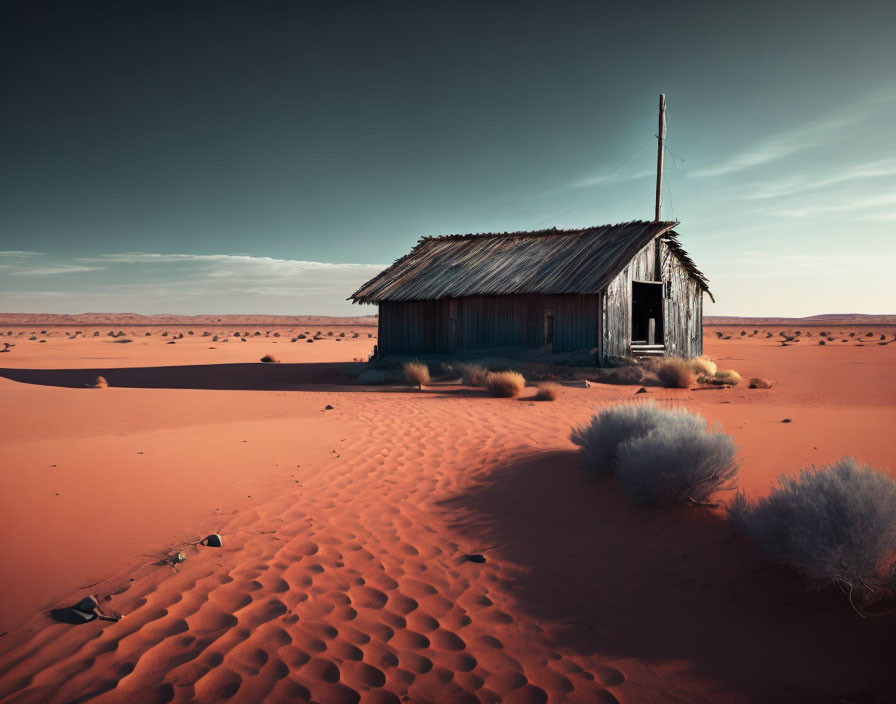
647	312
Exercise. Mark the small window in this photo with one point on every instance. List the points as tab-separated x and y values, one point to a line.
667	289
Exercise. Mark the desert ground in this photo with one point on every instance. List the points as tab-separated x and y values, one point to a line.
347	514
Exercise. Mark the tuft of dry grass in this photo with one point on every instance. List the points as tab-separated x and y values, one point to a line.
727	376
415	373
100	383
270	359
704	366
676	373
547	392
504	384
472	374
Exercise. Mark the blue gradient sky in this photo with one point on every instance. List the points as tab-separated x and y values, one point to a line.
270	157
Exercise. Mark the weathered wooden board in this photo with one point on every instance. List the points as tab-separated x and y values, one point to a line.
485	322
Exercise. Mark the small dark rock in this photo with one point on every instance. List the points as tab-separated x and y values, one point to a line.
787	420
474	557
328	407
212	541
642	390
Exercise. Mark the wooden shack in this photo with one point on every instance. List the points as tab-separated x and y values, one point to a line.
613	291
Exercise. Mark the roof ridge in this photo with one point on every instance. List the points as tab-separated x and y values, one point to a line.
550	232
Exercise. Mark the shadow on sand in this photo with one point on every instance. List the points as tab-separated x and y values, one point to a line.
254	376
606	577
321	376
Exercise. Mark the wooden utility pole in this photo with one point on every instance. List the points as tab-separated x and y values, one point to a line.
661	143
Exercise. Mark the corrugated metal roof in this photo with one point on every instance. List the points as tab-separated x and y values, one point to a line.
546	261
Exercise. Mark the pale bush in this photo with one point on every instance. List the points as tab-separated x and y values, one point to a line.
504	384
415	373
609	428
679	460
835	524
100	383
547	392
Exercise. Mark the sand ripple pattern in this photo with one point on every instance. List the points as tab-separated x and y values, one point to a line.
350	587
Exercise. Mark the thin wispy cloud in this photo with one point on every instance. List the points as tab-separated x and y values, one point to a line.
53	270
153	282
18	253
838	175
232	259
796	263
816	133
828	205
604	179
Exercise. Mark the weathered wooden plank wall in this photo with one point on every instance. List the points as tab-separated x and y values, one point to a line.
484	322
616	306
682	309
575	322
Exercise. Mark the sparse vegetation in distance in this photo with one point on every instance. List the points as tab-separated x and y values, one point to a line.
415	373
270	359
504	384
835	524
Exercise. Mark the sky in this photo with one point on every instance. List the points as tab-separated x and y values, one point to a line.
270	157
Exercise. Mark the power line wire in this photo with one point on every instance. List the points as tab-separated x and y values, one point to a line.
600	190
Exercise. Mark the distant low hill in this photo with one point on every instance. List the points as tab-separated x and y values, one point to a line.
238	319
826	319
165	319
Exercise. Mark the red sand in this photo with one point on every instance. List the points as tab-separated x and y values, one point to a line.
342	575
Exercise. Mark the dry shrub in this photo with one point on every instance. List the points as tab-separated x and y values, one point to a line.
620	375
472	374
547	392
704	366
680	460
270	359
660	457
100	383
759	383
415	373
727	376
836	524
504	384
676	373
608	429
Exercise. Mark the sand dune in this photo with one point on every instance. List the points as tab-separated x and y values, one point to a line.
344	574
